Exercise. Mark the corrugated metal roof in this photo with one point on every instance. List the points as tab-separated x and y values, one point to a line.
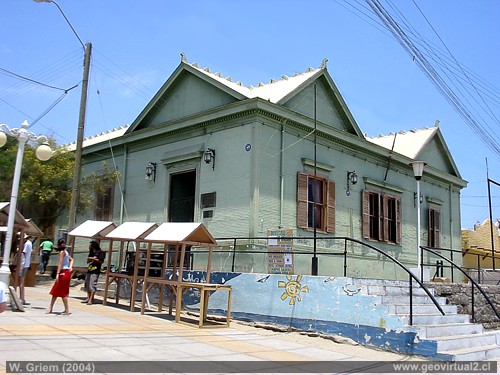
101	137
273	91
407	143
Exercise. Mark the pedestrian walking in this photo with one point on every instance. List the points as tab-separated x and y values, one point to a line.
46	248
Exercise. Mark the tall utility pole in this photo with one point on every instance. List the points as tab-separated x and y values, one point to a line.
75	193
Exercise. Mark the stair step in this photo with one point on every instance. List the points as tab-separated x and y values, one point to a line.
478	353
439	330
465	341
421	309
419	300
431	319
389	290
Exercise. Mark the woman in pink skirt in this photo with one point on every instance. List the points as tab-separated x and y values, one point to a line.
63	277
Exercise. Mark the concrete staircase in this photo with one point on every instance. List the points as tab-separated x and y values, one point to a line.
457	339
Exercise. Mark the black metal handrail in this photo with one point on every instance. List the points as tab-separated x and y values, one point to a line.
344	253
462	254
473	282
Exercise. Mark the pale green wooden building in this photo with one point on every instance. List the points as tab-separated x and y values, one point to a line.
247	160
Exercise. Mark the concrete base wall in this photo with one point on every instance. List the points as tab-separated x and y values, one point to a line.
328	305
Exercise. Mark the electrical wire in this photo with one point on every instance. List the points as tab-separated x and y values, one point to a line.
15	75
402	37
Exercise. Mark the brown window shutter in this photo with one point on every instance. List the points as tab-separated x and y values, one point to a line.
398	220
366	214
302	200
430	231
384	219
330	207
437	228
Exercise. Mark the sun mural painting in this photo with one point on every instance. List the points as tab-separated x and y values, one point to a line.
293	288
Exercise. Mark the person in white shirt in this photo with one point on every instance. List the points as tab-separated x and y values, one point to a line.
25	265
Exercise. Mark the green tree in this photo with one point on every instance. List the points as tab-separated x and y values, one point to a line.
45	187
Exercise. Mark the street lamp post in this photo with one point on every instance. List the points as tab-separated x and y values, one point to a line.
75	193
418	170
43	153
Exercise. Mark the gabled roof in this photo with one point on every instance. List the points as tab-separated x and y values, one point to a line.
420	144
407	143
29	227
98	138
276	91
4	215
93	229
181	232
131	231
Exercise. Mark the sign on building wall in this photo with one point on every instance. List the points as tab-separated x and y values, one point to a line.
280	258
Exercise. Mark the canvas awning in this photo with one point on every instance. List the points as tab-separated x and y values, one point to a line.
93	229
193	233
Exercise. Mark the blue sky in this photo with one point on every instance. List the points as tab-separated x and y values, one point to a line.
137	45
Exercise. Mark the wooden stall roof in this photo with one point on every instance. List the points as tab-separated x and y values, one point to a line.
194	233
27	225
131	231
4	215
93	229
33	229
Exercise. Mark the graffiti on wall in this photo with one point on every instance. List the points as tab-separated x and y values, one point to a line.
293	289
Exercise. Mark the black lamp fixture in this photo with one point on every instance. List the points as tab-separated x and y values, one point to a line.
209	157
415	199
352	179
151	171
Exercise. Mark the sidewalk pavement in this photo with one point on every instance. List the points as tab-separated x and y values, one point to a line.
111	333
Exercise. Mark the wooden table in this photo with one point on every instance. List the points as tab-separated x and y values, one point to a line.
205	290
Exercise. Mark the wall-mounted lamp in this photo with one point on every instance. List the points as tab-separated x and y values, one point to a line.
209	157
352	179
415	199
151	171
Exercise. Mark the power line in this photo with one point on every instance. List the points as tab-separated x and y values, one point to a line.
15	75
440	84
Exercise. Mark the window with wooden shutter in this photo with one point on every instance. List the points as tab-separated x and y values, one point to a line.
434	227
315	203
381	217
330	210
302	200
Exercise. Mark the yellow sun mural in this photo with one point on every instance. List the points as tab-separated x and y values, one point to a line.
292	289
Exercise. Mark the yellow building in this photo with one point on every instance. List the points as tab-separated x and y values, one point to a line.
477	246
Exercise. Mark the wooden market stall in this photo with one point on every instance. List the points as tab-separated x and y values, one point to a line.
94	229
180	236
130	233
22	227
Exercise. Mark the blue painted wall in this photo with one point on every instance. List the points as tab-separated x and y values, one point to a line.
330	305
